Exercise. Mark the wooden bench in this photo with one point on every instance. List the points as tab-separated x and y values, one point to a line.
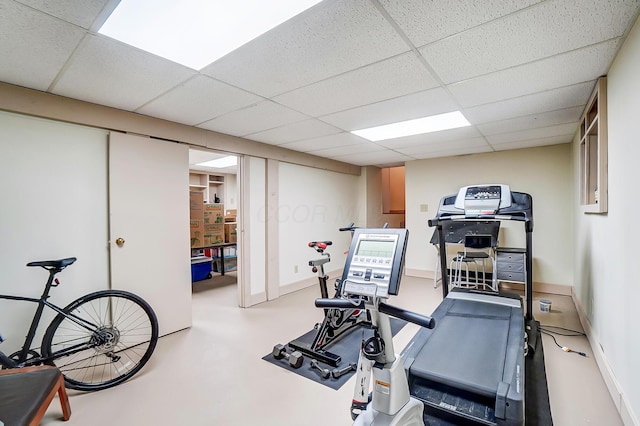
25	394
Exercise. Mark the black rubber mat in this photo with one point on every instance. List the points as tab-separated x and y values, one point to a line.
347	348
537	407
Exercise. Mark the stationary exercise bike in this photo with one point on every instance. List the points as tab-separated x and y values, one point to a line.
372	272
336	322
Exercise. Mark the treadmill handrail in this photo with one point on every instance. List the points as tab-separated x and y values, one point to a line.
394	311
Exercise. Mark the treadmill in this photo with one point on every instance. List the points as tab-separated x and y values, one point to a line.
471	368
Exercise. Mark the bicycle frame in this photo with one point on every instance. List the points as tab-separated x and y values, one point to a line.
42	303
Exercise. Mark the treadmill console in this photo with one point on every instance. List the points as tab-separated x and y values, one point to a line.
483	199
375	262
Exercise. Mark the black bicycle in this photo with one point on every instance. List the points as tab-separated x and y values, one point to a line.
98	341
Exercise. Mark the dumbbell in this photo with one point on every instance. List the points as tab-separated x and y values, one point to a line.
339	372
295	358
324	372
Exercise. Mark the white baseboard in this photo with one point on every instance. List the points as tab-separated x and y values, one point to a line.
619	398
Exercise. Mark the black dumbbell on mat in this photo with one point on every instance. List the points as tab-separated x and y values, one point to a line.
295	358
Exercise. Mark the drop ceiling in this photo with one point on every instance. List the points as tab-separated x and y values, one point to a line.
520	71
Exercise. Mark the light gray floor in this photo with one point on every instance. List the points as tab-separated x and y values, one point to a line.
213	374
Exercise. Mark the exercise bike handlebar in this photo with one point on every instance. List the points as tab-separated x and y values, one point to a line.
339	303
421	320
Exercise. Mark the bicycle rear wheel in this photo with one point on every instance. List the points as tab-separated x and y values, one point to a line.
108	337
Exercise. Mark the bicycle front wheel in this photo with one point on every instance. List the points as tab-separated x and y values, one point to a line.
101	339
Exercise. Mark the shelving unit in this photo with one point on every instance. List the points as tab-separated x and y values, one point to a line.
593	151
209	184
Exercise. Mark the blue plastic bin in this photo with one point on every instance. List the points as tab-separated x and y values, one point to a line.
200	268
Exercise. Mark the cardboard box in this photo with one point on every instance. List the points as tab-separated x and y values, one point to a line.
230	215
231	232
197	233
213	238
196	205
213	213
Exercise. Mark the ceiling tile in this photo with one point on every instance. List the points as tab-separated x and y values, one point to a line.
78	12
477	144
326	40
551	100
101	73
331	141
446	18
301	130
252	119
431	138
527	36
385	157
531	134
567	115
416	105
530	143
349	150
33	46
383	80
197	100
577	66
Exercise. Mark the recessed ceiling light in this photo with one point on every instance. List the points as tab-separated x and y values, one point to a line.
195	33
434	123
220	163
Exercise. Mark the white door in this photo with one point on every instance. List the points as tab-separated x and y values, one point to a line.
149	212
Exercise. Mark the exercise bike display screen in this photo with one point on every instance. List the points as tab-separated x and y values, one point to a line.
375	261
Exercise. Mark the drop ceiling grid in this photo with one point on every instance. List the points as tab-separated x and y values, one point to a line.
562	70
80	13
524	37
298	131
337	37
425	139
348	149
101	72
428	21
477	144
34	46
531	143
197	100
330	141
390	78
544	119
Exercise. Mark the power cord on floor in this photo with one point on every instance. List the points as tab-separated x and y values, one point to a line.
550	330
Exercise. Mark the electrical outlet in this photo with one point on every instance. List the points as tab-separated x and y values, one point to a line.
295	269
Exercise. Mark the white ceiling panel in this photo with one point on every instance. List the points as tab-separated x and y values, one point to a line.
416	105
508	41
78	12
431	138
324	142
348	150
458	145
550	100
545	119
301	130
377	157
197	100
252	119
529	134
393	77
427	21
101	72
577	66
531	143
33	46
326	40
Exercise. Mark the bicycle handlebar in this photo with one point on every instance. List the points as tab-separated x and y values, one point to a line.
421	320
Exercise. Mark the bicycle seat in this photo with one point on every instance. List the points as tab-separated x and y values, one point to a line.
61	263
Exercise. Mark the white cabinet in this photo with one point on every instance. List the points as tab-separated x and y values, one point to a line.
210	185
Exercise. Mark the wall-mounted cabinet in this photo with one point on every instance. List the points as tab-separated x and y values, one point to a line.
212	186
593	151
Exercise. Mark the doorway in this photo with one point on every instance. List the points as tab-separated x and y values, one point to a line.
214	205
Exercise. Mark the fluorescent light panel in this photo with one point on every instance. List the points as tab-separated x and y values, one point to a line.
434	123
220	163
195	33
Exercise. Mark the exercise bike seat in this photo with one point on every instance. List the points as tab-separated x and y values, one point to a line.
61	263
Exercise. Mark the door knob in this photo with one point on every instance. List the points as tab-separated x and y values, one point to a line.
120	242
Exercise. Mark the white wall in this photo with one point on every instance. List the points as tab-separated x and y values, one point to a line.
543	172
606	245
254	237
53	192
312	205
